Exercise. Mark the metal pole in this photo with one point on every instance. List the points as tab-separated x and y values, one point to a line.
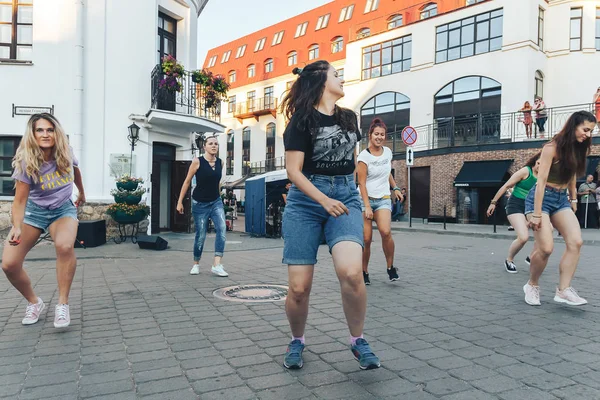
444	217
586	212
495	222
409	201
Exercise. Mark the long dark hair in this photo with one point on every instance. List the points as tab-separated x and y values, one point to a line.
531	162
572	154
304	96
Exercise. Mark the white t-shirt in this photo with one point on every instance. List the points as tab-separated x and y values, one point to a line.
378	172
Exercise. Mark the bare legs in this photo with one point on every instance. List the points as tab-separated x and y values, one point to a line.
12	262
64	232
383	219
519	222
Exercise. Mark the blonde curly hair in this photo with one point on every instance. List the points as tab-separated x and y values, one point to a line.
29	156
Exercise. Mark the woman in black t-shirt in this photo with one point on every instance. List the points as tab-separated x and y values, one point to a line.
206	203
320	143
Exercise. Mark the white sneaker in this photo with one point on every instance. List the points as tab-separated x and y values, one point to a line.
33	311
532	294
62	316
218	270
569	296
195	270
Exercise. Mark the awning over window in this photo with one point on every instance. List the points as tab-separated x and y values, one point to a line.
483	173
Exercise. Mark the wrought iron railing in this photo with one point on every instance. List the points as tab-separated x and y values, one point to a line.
190	99
268	165
480	129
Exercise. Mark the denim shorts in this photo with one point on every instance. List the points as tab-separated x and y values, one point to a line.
377	204
42	218
514	205
555	200
305	221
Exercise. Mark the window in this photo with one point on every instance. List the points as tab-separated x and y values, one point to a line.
251	100
246	150
251	70
467	110
539	84
470	36
471	2
270	162
8	148
394	21
269	65
576	17
540	41
226	56
301	29
292	58
387	58
212	62
346	13
230	152
231	75
430	10
313	52
260	44
241	51
231	104
322	22
277	38
337	44
598	29
393	108
340	72
363	33
166	40
371	5
269	98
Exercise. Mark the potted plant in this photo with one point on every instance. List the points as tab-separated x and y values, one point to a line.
129	183
128	213
202	77
173	72
127	196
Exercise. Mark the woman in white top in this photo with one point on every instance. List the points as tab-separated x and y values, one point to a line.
375	179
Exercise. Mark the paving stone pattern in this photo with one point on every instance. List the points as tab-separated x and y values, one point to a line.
454	327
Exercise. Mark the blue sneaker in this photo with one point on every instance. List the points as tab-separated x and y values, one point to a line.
293	355
364	355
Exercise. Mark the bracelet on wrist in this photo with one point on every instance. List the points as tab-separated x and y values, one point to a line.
574	201
396	188
493	202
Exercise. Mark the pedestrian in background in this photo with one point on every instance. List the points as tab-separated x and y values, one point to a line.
541	115
596	102
320	147
587	213
527	118
548	204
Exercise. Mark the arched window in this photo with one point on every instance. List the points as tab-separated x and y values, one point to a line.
246	150
270	161
395	21
429	10
251	71
292	58
231	75
313	52
393	108
337	44
467	110
539	84
230	152
363	33
268	65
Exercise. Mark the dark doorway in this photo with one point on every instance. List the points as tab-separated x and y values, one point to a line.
420	182
180	222
163	156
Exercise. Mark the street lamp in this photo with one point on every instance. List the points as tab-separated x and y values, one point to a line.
133	137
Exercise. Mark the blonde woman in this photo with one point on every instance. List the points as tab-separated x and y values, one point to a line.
44	172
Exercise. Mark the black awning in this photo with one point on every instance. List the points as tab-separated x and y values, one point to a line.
483	173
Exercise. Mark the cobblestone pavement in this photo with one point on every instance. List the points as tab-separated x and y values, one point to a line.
455	327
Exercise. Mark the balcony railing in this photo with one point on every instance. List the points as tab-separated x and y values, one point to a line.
268	165
190	100
254	108
481	129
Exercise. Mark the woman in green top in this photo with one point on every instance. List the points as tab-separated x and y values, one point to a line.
522	181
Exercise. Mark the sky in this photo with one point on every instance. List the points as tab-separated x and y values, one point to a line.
225	20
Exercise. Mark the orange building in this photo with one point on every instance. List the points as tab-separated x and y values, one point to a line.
321	33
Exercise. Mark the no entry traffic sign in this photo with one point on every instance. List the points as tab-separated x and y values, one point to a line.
409	136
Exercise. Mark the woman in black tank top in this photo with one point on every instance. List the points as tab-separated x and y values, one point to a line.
206	204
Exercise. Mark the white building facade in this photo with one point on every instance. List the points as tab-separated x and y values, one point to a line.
91	64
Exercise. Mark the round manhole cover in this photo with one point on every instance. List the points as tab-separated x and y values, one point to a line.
252	293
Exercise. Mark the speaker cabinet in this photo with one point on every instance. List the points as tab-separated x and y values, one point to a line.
91	233
152	242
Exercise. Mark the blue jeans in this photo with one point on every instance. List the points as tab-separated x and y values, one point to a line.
555	200
42	218
202	212
305	221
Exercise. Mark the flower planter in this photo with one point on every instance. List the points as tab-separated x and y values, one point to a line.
123	218
119	200
132	200
127	185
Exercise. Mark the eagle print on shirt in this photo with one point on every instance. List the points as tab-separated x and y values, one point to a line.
334	147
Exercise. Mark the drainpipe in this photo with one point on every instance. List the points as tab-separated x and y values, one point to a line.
78	87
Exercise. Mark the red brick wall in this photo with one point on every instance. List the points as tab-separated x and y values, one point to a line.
444	168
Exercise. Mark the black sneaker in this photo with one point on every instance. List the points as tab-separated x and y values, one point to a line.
366	278
511	268
528	260
393	273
